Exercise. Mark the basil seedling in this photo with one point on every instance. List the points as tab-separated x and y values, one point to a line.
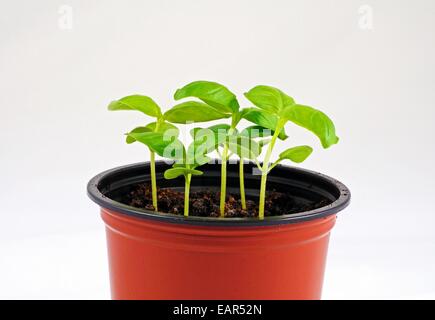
147	106
168	146
242	144
187	165
273	110
217	103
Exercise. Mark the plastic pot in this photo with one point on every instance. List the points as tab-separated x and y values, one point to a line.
164	256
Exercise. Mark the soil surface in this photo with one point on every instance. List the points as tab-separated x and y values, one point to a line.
206	203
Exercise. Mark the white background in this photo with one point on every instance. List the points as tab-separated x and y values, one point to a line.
375	78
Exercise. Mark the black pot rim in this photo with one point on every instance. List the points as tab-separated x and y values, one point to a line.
105	202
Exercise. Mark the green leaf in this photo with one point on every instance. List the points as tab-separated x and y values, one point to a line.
179	171
256	132
263	119
218	128
164	127
221	128
269	99
164	145
212	93
313	120
296	154
129	139
244	147
193	111
205	141
136	102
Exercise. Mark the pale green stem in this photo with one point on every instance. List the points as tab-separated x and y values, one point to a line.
223	180
265	169
224	169
153	179
153	172
242	184
186	194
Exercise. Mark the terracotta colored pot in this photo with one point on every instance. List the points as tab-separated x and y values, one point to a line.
164	256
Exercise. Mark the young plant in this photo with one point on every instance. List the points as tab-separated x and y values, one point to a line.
185	163
274	110
217	103
243	144
186	166
168	146
147	106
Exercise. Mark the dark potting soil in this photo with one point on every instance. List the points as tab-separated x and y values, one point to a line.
206	203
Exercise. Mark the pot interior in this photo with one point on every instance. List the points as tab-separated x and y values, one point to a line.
306	187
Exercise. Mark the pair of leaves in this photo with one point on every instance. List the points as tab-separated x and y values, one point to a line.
217	103
196	156
168	146
164	140
273	102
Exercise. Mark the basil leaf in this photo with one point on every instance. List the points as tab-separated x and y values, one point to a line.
164	127
136	102
313	120
179	171
193	111
269	99
256	132
205	141
164	145
129	139
219	128
263	119
296	154
212	93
